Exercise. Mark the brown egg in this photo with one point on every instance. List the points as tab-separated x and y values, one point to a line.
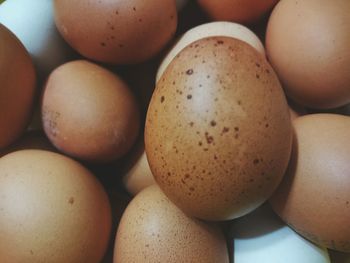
17	88
241	11
312	56
153	229
89	112
118	32
218	132
52	210
30	140
314	196
137	173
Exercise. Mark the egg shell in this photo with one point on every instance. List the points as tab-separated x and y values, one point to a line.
153	229
221	28
218	132
137	174
52	210
312	57
242	11
33	23
262	237
112	31
17	90
88	112
314	196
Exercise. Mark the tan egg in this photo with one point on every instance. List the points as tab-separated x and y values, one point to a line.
153	229
117	32
221	28
218	132
314	196
242	11
88	112
137	173
307	43
52	210
30	140
17	88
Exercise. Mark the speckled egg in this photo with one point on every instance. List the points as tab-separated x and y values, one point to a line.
153	229
218	131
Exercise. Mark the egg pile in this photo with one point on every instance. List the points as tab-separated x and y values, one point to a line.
175	131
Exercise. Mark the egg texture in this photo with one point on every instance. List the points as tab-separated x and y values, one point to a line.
221	28
314	196
88	112
153	229
117	32
307	43
218	131
17	88
242	11
52	210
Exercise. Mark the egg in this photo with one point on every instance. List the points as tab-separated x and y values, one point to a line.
52	210
137	174
311	57
220	28
314	196
18	87
242	11
88	112
262	237
33	23
218	132
153	229
112	31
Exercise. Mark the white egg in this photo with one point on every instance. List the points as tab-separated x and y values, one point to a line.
220	28
33	23
262	237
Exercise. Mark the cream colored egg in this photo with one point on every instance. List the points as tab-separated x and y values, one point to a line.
228	29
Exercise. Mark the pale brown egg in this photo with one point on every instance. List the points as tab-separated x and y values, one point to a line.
117	32
153	229
307	43
242	11
314	196
17	88
219	28
137	174
88	112
218	132
52	210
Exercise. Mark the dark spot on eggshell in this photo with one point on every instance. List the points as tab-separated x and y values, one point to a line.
189	71
189	96
71	200
213	123
257	76
103	44
162	98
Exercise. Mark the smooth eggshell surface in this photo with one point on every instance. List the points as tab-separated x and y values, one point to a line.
17	88
307	43
222	28
314	196
218	132
88	112
52	210
112	31
262	237
153	229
